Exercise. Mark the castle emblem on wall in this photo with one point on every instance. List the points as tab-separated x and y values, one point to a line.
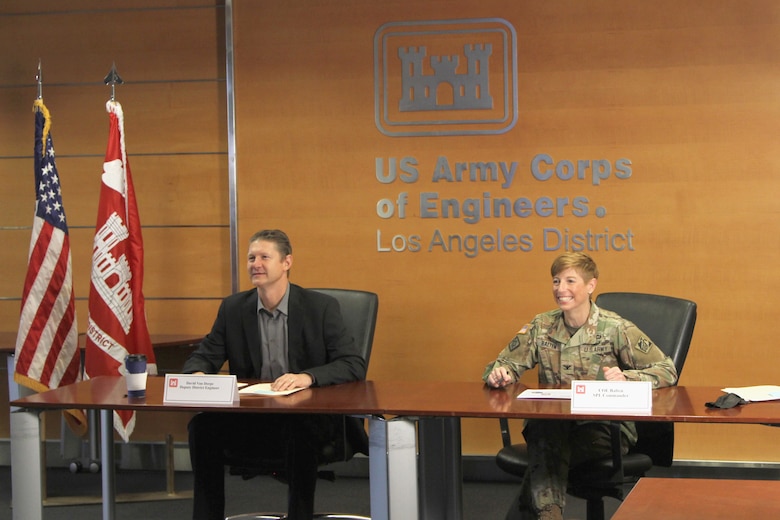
469	89
448	77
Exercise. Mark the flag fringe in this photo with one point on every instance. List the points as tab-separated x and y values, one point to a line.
114	107
38	106
30	383
75	419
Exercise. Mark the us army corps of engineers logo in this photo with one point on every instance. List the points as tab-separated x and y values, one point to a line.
448	77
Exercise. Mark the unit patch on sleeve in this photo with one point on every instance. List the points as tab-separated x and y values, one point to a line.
644	344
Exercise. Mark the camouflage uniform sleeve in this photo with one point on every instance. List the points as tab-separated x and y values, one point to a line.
519	355
642	360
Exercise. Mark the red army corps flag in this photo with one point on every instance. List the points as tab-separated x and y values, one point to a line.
117	321
47	351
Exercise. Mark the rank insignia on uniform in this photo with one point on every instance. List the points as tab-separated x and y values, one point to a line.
644	344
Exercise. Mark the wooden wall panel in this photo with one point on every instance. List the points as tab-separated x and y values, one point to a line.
147	43
38	8
187	262
170	118
685	90
178	263
192	316
172	190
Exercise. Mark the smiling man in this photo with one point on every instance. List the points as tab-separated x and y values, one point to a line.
576	341
294	338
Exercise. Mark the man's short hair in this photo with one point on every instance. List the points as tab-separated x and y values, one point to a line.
278	237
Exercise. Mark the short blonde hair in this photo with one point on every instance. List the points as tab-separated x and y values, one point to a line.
581	263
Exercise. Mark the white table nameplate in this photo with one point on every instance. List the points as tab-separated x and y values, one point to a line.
200	389
612	397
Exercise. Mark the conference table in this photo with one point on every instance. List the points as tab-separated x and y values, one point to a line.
414	431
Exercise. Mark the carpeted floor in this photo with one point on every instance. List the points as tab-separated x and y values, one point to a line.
481	500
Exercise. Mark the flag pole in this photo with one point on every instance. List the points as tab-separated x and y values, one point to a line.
113	79
39	79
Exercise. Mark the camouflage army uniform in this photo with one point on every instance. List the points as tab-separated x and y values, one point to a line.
605	340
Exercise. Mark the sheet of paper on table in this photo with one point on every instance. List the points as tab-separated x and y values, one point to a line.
545	393
756	393
265	389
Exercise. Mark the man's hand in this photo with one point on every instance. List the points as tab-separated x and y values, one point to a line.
290	381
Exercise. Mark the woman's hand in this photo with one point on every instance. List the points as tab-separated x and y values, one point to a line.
499	377
613	374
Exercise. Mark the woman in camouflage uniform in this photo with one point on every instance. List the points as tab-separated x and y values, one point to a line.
577	341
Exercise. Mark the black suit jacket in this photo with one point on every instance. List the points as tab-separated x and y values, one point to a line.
318	343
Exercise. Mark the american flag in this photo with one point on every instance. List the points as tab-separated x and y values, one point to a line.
47	354
117	321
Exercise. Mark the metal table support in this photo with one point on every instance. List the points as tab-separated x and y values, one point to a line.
108	474
441	471
27	463
392	469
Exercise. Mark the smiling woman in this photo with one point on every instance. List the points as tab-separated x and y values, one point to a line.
576	341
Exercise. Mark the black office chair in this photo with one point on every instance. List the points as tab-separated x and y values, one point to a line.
669	322
359	310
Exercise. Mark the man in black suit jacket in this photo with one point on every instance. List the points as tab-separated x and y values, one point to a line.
285	334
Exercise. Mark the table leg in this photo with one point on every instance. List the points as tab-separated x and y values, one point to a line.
108	476
27	472
441	472
393	469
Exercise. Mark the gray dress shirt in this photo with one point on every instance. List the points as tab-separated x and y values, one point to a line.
273	338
